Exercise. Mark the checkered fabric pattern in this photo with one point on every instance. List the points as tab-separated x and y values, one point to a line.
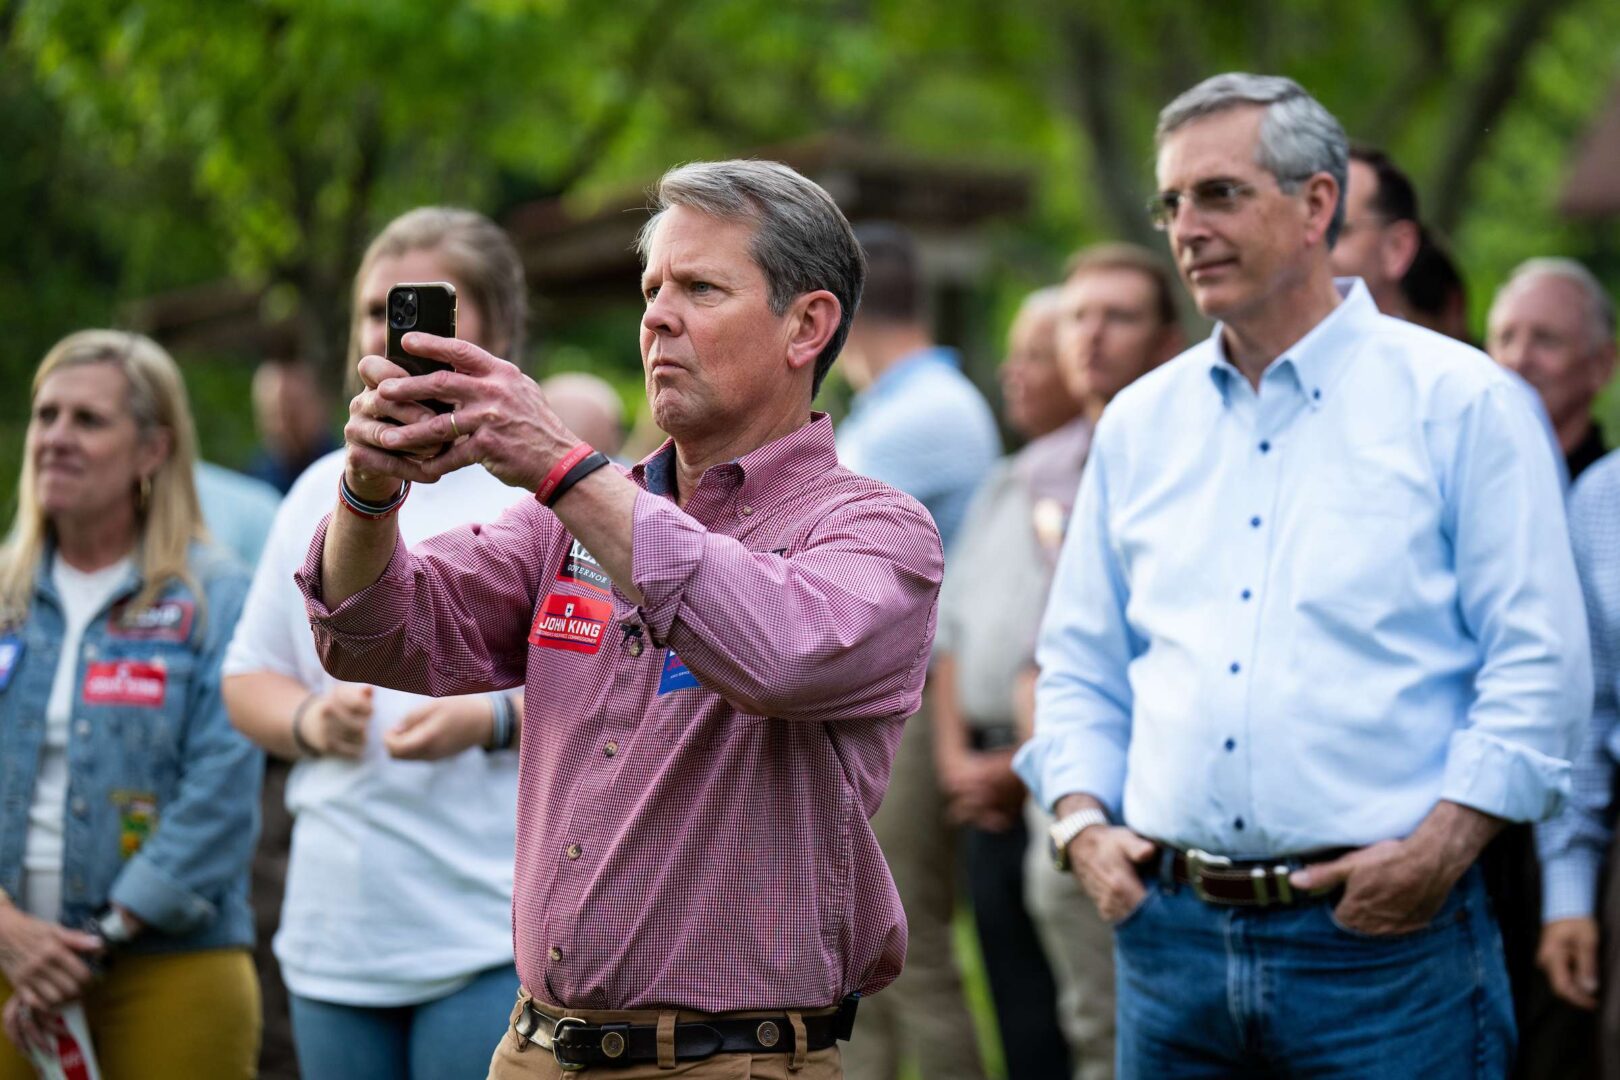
1573	844
697	772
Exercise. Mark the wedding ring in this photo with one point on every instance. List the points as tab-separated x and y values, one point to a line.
453	425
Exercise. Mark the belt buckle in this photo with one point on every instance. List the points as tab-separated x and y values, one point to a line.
1197	862
550	1042
547	1039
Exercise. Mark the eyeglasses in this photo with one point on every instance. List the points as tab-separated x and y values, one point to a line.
1209	197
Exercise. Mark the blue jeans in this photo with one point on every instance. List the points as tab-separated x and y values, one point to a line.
445	1039
1212	991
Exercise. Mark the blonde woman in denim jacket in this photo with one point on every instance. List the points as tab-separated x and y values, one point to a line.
127	801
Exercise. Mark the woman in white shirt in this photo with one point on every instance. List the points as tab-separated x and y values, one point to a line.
395	939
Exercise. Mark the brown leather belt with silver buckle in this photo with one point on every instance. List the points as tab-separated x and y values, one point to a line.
1216	879
577	1045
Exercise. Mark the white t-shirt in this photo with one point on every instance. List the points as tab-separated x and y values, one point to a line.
399	883
83	596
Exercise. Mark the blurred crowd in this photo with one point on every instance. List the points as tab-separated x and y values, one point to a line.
238	864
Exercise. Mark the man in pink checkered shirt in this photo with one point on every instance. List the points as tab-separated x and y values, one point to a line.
718	649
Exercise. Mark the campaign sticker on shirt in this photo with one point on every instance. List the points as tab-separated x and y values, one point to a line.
169	620
574	623
11	650
125	682
580	566
675	676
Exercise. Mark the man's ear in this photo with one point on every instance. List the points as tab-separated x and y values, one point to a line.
1398	247
1603	358
812	321
1321	200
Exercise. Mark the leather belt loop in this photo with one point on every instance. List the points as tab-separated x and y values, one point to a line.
801	1041
666	1040
523	1011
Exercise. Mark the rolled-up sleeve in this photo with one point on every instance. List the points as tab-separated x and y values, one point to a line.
1520	598
839	629
1083	697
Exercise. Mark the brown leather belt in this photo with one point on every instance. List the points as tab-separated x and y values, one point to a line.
1216	879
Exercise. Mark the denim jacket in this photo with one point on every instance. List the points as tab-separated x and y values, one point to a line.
163	794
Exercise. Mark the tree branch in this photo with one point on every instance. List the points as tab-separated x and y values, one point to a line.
1484	106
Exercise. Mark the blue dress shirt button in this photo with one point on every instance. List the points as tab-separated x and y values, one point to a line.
1238	824
1265	447
1231	744
1235	667
1316	395
1254	522
1245	594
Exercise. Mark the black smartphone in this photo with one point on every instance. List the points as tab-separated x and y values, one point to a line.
426	306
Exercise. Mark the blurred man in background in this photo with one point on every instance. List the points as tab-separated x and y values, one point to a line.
590	407
1034	399
918	424
1553	324
294	419
1381	236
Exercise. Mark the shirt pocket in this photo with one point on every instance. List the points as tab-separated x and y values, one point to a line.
1356	540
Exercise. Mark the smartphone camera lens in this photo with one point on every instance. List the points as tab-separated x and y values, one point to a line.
402	309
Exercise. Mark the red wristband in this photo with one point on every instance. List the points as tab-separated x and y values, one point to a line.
579	453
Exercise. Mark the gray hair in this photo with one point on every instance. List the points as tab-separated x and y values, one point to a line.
1298	137
802	241
1600	317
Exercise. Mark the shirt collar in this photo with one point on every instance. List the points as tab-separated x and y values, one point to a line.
1317	361
783	465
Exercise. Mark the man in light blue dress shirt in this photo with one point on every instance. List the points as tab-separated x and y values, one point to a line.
1315	635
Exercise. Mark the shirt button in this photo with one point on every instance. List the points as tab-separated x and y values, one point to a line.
575	851
1236	824
1254	522
1316	395
634	646
1265	446
610	749
555	954
1231	744
80	807
1245	594
748	511
1236	667
82	729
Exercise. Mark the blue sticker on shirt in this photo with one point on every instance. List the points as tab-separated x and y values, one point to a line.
675	676
11	650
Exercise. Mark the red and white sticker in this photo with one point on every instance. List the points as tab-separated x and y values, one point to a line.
575	623
125	682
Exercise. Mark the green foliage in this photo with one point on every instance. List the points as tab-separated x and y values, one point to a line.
169	143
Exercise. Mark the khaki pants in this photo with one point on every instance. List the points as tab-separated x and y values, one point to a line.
1080	947
923	1015
520	1059
169	1016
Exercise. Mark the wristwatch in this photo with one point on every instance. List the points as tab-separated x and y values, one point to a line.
1064	830
114	928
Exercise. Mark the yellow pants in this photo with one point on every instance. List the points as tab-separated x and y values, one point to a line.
177	1016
